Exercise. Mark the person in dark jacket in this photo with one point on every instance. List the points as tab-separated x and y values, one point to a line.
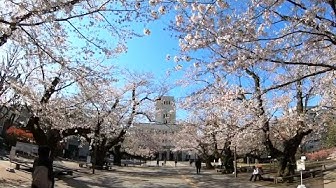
198	165
43	176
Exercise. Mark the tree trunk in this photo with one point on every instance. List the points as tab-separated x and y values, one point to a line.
287	167
53	142
228	163
33	126
100	157
117	155
228	158
287	160
208	164
287	156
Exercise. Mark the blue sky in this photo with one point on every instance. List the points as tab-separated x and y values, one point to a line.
148	54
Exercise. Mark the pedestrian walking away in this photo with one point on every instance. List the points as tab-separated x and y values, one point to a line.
198	165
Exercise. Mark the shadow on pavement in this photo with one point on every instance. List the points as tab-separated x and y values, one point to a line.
82	182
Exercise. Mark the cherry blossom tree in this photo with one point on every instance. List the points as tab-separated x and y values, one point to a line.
153	140
62	52
63	45
243	116
217	115
115	109
198	140
94	112
8	71
272	33
268	48
66	31
48	91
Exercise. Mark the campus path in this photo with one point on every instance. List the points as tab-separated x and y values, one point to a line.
156	177
182	176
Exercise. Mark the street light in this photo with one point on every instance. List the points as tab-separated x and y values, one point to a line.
235	161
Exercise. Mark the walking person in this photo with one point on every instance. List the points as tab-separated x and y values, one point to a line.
43	176
198	165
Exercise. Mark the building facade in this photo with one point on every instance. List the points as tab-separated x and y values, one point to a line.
322	118
163	129
165	111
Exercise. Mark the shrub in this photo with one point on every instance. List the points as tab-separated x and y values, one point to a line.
20	134
320	155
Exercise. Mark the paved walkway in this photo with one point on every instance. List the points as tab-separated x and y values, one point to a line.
156	177
182	176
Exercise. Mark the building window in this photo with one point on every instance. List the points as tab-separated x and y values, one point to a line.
166	102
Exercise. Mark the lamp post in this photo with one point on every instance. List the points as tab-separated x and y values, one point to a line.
94	155
270	161
235	161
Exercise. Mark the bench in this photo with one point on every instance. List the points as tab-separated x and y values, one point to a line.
58	170
305	174
239	169
19	164
82	165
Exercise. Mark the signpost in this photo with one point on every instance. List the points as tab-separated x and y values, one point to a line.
300	166
88	159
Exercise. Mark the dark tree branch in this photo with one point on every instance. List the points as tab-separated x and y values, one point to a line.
295	80
116	140
146	115
262	114
50	90
332	4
